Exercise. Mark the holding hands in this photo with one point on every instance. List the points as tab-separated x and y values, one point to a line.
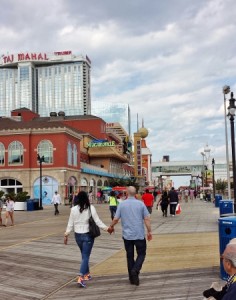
110	229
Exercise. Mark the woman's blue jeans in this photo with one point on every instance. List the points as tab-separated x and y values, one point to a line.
85	243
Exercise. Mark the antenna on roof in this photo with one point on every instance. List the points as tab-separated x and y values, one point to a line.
137	123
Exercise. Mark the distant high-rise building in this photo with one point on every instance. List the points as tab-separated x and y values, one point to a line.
113	113
45	82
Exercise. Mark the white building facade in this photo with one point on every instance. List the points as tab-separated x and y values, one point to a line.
45	82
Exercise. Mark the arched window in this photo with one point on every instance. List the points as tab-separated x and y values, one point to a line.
15	153
99	183
75	152
45	149
69	154
2	154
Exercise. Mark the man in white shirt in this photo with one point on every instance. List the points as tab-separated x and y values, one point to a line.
56	200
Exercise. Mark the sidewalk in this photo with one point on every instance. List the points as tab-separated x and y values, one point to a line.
182	259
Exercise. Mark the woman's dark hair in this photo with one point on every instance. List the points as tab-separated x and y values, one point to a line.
165	194
82	200
112	194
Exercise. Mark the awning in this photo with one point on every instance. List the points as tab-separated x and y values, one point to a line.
119	188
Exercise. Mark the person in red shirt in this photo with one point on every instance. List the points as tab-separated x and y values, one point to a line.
148	200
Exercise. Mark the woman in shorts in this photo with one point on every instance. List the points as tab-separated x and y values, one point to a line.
9	211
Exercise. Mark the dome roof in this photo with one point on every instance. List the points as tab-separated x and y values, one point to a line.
143	131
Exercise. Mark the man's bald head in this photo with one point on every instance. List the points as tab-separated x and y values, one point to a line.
230	253
131	190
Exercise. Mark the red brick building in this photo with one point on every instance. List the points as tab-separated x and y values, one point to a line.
77	150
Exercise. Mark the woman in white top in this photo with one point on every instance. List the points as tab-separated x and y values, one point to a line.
10	211
79	222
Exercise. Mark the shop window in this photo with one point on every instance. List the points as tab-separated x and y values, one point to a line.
2	154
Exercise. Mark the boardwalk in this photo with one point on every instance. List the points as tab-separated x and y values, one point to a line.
182	259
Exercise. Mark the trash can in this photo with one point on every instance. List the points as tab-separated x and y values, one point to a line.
226	207
227	231
30	205
217	200
36	204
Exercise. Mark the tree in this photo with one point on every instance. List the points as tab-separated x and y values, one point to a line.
123	182
1	194
221	185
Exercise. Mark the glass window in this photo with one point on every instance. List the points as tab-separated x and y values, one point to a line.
74	155
2	154
69	154
45	148
15	153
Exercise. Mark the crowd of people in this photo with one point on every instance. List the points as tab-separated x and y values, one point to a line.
134	211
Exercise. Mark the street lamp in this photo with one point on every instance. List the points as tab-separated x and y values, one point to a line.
203	168
213	177
40	160
231	114
226	90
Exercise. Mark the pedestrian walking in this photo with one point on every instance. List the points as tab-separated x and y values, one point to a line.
173	200
1	207
79	223
148	200
186	194
155	194
133	214
9	210
113	203
164	202
191	194
56	200
70	199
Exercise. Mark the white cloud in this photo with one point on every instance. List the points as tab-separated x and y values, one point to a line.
168	60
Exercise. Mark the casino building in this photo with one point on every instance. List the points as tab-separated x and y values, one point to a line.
45	82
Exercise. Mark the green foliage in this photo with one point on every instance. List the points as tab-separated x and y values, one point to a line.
221	185
1	194
19	197
12	195
123	182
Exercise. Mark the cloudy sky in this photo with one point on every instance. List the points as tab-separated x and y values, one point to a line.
168	59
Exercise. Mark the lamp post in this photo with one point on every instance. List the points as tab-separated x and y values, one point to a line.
226	90
213	177
40	160
231	110
203	168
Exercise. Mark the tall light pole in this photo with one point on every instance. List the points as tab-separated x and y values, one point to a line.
213	177
40	160
226	90
203	168
231	110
